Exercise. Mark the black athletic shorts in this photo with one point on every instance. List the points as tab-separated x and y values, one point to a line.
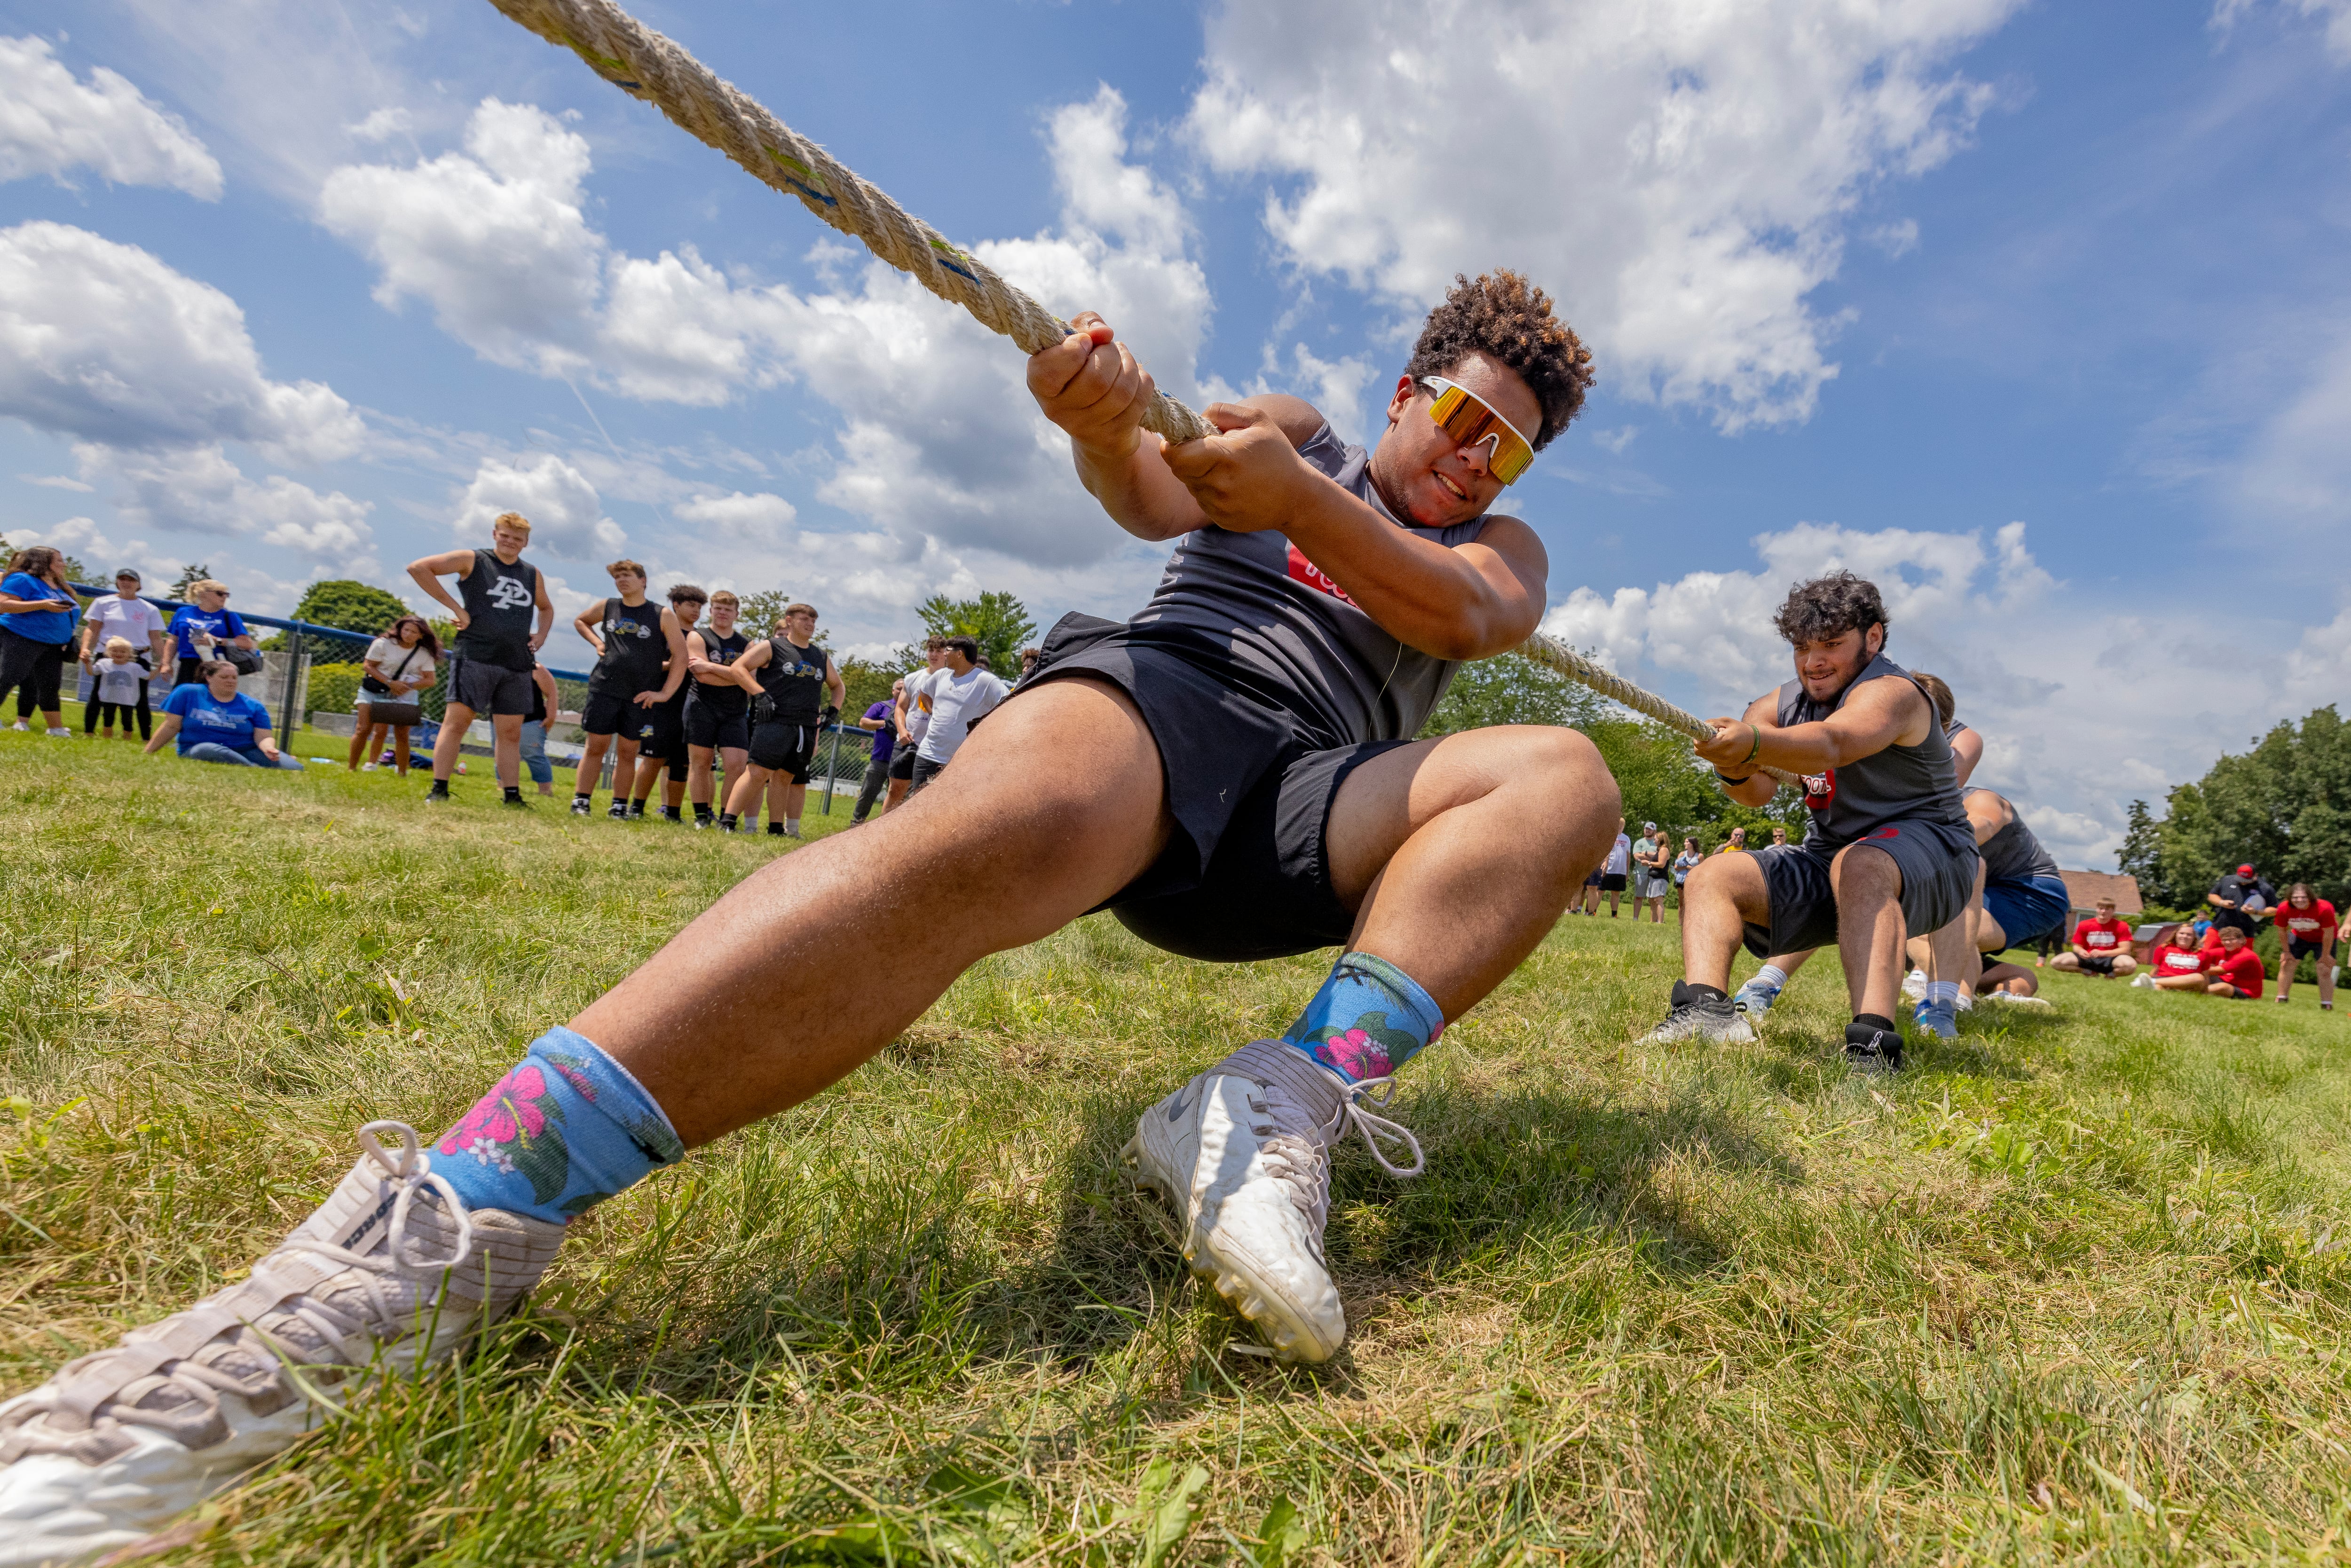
2104	963
661	733
2302	946
1939	879
785	749
488	688
902	761
1611	881
610	713
706	725
1251	788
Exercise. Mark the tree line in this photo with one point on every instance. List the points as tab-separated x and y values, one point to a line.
2285	806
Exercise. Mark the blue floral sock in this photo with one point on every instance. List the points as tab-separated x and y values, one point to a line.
1369	1018
567	1129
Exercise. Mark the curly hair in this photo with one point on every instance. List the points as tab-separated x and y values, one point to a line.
1505	317
1829	606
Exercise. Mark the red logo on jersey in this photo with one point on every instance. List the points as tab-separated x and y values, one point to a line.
1314	577
1820	788
1886	834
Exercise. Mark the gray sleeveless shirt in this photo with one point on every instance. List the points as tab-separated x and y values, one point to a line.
1271	623
2013	854
1901	783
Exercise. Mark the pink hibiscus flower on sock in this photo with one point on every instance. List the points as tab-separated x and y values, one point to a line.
1356	1054
508	1114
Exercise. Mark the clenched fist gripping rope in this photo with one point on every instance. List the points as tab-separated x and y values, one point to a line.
655	69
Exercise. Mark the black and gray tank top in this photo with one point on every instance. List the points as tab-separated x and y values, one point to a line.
1268	621
793	679
1914	783
501	604
2013	854
725	697
635	652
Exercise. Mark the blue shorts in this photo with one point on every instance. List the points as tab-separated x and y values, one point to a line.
2027	908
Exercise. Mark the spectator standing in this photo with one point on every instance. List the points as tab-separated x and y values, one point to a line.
36	627
1779	835
797	692
397	665
718	708
120	689
2242	900
915	717
123	613
544	700
202	627
2101	946
212	721
1614	870
2306	924
503	620
640	665
661	742
961	694
1736	844
881	723
1684	864
1650	858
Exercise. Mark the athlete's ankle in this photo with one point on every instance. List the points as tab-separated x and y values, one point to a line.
1877	1021
727	820
701	812
566	1128
1369	1018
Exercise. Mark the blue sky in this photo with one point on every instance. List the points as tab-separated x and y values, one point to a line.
2037	313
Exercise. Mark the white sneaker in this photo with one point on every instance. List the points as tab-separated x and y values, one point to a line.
390	1272
366	767
1242	1151
2143	982
1914	985
21	727
61	735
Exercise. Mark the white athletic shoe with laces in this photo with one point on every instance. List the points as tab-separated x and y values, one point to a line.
1243	1154
391	1271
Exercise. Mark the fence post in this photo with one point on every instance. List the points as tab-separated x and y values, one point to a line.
286	714
832	762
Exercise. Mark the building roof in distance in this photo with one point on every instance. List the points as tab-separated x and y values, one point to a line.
2084	888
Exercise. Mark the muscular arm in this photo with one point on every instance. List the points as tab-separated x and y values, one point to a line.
586	623
743	672
1988	815
428	571
1887	711
544	626
836	690
1967	750
675	638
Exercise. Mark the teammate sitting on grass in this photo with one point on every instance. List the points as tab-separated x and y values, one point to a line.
1232	772
2234	971
502	620
212	721
640	665
2176	963
2101	946
795	692
1890	853
2306	924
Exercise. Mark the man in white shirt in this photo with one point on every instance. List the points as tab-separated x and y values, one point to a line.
960	693
1611	873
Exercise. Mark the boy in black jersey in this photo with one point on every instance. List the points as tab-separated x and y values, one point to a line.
717	710
640	665
787	680
502	620
661	739
1232	771
1890	854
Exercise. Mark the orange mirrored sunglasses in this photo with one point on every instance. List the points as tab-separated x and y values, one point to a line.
1467	421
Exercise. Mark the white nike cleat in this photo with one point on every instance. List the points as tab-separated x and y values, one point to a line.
1243	1153
1914	985
392	1271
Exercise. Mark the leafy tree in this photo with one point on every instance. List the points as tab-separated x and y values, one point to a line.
2285	806
997	622
1512	689
2141	856
188	577
759	613
867	682
348	605
75	571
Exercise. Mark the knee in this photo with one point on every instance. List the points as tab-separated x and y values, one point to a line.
1563	782
1859	869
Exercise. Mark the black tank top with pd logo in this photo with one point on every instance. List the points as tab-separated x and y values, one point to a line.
501	604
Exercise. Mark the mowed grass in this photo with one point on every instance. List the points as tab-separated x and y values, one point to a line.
2069	1290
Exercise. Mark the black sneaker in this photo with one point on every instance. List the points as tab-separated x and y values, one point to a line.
437	796
1869	1048
672	814
582	806
775	830
702	822
636	810
1696	1014
621	812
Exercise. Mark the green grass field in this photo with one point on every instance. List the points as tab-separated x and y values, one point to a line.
2070	1290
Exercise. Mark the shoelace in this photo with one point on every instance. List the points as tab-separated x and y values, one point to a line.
1354	1117
337	1325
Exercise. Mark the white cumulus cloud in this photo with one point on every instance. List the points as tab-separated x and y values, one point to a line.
52	124
566	517
103	343
200	489
1679	173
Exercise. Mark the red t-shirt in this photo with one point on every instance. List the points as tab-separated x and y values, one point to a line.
2316	924
2102	937
2170	961
2242	969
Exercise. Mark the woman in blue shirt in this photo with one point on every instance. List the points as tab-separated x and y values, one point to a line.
200	627
36	627
213	723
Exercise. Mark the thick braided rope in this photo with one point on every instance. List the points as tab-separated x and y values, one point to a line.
657	71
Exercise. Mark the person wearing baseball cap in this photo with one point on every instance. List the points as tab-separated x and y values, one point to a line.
1653	855
2242	902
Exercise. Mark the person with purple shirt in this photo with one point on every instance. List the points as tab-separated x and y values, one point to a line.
880	720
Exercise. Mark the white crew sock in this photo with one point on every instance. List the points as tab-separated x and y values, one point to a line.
1770	975
791	825
1943	994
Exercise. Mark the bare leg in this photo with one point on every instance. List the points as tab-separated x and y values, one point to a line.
891	796
795	800
362	729
506	749
1869	926
454	722
821	958
591	765
2326	976
1724	894
745	793
2180	982
1463	852
399	747
2013	978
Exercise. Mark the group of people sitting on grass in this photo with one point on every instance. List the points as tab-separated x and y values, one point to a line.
2213	954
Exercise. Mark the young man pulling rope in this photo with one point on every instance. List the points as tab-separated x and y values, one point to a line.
1232	772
